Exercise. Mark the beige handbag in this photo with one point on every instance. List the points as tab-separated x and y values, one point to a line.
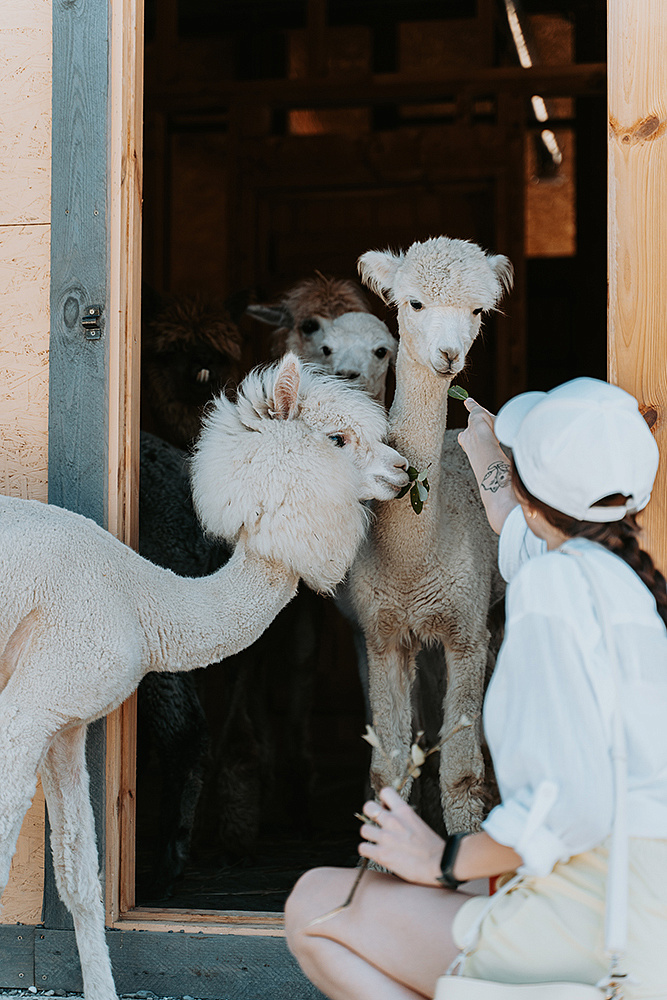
455	986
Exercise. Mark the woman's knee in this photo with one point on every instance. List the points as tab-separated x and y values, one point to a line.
316	892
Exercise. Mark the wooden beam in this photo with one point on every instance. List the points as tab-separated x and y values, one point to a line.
386	88
637	99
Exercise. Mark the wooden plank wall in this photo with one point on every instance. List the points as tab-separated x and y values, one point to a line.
25	216
638	226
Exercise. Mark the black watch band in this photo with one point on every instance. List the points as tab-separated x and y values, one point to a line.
452	844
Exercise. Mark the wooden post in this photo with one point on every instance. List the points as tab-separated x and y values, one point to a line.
637	97
124	347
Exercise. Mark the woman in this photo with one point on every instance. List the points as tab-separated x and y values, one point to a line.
583	463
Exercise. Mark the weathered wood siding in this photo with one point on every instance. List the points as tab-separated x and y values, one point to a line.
638	226
25	207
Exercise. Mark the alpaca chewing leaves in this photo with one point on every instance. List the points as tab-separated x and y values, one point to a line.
418	490
413	768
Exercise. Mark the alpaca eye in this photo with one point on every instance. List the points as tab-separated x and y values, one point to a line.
309	326
476	312
381	352
416	304
338	440
326	351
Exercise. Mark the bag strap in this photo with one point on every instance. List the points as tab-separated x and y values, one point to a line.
616	914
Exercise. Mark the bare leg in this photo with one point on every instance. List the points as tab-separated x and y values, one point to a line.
75	859
392	942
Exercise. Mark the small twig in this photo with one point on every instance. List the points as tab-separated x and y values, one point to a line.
413	768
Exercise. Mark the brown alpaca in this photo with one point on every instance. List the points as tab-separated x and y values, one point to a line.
298	313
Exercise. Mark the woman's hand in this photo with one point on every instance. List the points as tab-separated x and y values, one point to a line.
478	437
489	464
401	841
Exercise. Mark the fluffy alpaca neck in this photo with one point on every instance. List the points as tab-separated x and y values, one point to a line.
418	416
194	622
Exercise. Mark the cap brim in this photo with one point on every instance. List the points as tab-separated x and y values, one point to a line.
512	414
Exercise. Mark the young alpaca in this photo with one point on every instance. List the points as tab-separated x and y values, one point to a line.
427	579
281	474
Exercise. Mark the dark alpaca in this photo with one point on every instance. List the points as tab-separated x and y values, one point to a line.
171	719
191	350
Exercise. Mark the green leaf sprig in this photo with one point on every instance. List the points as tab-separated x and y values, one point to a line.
418	490
457	392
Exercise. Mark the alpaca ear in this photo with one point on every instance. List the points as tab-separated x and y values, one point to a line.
272	315
503	270
377	269
286	388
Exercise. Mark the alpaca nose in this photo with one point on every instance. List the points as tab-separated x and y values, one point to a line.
348	374
449	357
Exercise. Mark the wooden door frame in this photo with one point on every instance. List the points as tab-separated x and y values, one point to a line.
94	385
627	30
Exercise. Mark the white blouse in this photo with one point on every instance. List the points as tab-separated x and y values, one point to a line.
547	713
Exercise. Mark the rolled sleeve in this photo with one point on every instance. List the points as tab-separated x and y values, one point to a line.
521	827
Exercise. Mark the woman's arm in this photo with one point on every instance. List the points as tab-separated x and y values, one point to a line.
489	464
402	842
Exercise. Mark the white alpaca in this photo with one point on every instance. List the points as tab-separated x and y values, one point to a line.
327	321
282	474
424	579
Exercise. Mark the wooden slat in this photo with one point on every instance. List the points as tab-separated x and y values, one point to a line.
78	417
17	962
208	966
25	123
124	346
24	359
25	181
386	88
638	225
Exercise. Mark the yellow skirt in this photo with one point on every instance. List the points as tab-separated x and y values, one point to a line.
552	928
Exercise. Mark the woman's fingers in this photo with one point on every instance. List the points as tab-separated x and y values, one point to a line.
391	799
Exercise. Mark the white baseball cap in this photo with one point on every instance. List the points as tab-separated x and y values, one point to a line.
578	443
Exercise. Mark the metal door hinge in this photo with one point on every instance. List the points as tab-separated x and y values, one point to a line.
90	321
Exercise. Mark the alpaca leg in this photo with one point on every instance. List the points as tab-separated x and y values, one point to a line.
462	769
170	710
391	676
75	860
23	741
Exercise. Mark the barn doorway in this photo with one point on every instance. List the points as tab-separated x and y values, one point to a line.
284	137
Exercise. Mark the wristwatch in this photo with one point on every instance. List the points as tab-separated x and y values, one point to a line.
451	849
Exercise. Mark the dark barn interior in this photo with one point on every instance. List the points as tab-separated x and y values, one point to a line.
285	137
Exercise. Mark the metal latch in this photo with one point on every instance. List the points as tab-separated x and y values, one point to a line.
90	321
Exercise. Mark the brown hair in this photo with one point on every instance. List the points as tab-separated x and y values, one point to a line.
620	537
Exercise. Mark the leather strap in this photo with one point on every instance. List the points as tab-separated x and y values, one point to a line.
451	850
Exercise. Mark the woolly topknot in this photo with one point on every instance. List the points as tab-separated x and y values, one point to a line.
272	465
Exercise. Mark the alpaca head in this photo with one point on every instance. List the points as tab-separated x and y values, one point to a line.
290	463
300	313
191	349
357	346
441	288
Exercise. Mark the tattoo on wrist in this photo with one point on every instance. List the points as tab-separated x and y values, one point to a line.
497	477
